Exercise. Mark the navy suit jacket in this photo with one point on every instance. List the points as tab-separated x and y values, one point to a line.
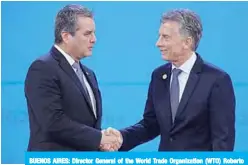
60	116
205	119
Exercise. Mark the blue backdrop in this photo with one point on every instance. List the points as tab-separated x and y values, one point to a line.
123	59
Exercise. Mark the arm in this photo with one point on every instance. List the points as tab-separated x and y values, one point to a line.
145	130
222	115
43	94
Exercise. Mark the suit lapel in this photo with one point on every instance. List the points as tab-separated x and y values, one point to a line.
189	88
70	72
190	85
162	98
92	82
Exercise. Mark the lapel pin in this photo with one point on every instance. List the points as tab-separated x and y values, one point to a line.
164	76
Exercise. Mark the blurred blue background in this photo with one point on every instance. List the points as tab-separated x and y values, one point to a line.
123	59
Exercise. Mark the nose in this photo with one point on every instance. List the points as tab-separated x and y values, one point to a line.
158	43
93	39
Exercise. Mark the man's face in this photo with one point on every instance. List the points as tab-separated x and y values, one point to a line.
170	41
81	44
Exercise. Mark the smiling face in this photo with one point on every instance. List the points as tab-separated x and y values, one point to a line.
170	42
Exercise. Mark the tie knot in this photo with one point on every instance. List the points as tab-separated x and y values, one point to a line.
76	66
176	71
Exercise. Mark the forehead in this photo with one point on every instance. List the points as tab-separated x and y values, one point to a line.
85	23
169	27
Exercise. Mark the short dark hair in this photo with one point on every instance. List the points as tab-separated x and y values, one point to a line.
66	20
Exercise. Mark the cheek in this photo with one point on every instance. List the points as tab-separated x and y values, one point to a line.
167	46
177	46
82	43
81	39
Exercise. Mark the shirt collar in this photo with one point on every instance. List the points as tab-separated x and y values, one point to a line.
67	56
187	65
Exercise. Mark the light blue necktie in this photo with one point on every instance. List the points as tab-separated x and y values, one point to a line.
80	75
174	92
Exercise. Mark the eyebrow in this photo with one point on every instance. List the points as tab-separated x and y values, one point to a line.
164	35
89	31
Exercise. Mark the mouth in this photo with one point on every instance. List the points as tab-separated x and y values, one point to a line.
163	51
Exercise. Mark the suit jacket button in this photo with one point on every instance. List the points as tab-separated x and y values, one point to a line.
171	139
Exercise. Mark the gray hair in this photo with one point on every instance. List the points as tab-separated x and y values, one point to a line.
66	20
189	21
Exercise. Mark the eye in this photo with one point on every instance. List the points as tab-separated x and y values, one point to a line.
166	37
87	33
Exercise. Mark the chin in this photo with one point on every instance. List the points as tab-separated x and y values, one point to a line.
88	54
164	57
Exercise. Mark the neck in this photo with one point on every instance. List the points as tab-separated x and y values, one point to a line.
67	51
182	59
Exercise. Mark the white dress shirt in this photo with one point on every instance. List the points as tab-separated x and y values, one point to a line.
71	61
184	75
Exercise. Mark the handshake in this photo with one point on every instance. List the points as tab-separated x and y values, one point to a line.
111	140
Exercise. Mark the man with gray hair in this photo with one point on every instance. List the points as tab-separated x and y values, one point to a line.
63	98
190	103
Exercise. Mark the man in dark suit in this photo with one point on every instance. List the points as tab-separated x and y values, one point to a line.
190	103
63	98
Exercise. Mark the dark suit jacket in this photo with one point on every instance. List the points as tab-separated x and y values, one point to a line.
60	116
205	119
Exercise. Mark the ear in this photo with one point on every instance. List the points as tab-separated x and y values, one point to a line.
188	43
66	37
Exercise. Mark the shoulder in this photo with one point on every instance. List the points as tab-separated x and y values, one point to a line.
160	70
45	64
211	69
